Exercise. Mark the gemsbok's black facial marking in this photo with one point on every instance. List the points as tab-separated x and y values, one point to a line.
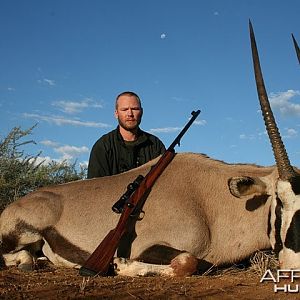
269	224
278	221
295	183
292	240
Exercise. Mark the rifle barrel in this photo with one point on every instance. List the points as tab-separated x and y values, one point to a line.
183	131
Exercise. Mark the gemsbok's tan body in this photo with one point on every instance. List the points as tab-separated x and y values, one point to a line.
190	208
200	212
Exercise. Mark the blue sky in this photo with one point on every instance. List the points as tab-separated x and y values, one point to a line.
63	62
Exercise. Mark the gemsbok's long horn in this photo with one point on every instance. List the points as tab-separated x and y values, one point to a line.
285	170
296	48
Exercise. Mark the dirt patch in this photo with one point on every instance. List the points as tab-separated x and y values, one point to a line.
60	283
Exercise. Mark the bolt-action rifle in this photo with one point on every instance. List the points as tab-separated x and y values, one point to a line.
100	261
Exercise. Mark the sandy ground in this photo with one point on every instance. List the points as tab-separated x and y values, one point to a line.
48	282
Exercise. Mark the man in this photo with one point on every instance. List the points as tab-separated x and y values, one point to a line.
127	146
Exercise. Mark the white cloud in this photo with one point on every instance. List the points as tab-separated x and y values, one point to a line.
42	160
165	130
71	107
84	164
290	133
174	129
180	99
281	101
163	36
49	143
244	136
47	81
66	152
60	121
70	152
263	133
200	122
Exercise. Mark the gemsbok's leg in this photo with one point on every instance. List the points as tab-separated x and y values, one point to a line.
184	264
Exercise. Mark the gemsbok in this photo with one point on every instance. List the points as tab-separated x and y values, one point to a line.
200	212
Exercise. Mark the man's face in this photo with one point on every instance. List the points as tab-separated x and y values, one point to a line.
128	112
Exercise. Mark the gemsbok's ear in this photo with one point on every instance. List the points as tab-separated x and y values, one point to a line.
244	186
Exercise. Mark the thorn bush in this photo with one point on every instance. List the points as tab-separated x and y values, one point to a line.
21	173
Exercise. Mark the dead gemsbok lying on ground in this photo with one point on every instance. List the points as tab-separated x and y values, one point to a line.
201	211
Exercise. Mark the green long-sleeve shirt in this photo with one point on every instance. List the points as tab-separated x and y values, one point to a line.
111	155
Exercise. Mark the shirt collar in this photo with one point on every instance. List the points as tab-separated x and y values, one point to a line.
142	137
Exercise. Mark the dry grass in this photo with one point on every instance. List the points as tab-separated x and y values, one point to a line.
259	262
262	261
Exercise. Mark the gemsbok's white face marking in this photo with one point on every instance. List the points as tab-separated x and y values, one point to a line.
288	194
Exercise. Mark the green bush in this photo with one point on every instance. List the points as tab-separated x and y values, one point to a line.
20	173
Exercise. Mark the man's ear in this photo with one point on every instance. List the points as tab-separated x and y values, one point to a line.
116	114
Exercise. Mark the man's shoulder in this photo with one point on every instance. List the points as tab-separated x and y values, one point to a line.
106	138
110	134
148	134
151	137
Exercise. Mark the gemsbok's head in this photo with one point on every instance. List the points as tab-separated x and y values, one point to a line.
285	213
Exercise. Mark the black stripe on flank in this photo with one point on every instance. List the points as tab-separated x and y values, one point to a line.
278	222
292	240
62	247
10	241
56	241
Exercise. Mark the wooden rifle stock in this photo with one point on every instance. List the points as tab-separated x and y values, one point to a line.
100	260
